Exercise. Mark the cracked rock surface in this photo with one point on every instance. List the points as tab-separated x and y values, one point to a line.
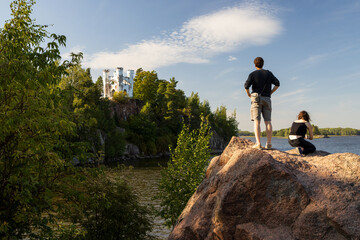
269	194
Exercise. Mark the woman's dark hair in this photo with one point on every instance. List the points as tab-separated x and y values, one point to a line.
304	115
259	62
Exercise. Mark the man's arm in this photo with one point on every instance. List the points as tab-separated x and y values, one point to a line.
248	92
248	84
274	89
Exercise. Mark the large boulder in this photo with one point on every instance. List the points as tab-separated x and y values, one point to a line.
268	194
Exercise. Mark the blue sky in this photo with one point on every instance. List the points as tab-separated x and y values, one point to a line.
312	47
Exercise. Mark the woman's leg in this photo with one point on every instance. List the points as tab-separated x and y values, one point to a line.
294	143
308	146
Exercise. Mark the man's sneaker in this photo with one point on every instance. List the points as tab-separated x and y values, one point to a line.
268	146
299	151
257	146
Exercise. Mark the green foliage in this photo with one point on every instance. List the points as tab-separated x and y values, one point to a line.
316	130
245	133
120	97
225	126
142	132
339	131
100	85
145	86
33	124
168	107
91	113
281	133
102	206
114	144
50	112
185	171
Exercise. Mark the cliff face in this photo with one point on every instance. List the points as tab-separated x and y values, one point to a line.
269	194
124	110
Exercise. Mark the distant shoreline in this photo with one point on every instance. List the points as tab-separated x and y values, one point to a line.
316	136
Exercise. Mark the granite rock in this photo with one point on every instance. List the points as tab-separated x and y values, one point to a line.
269	194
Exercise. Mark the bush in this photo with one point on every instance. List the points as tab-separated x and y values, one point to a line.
114	144
104	207
184	172
121	97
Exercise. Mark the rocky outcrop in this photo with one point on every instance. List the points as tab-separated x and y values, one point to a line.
124	110
217	143
268	194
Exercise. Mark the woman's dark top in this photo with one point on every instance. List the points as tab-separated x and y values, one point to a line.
299	129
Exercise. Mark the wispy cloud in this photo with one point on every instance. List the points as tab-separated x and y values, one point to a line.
293	98
348	8
291	94
314	59
232	58
294	78
197	40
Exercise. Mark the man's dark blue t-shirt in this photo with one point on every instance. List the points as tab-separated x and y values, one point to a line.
258	78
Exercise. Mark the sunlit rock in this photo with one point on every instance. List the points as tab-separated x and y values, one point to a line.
270	194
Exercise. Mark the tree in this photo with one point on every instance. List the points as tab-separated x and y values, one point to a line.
82	98
145	86
316	130
225	126
185	171
33	124
100	85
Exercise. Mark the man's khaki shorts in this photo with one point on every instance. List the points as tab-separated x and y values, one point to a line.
263	106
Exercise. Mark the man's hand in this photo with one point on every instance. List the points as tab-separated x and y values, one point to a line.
274	89
248	92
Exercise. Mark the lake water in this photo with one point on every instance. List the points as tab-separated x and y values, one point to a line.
331	145
145	176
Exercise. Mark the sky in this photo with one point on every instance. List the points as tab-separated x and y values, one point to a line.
312	47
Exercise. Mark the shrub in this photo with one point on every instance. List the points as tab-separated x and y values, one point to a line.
184	172
120	97
104	207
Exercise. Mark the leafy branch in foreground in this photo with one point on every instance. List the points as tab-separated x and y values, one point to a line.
185	171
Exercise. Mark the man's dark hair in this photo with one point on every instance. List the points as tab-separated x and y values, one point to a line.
259	62
304	115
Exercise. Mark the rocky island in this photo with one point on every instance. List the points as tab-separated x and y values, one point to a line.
269	194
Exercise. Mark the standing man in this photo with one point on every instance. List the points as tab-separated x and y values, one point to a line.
261	81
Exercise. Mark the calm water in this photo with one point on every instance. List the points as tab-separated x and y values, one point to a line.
331	145
145	176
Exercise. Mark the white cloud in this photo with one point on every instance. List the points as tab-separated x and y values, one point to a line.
232	58
197	40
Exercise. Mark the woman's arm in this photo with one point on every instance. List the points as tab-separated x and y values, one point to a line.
309	127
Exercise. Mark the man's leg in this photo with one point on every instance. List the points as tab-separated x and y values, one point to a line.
257	131
256	117
268	131
266	111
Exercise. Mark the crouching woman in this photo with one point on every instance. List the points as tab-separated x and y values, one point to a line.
298	134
